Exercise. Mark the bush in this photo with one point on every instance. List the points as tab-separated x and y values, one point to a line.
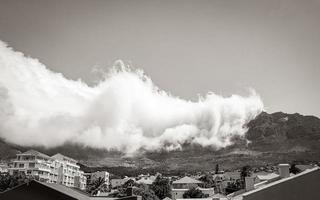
194	193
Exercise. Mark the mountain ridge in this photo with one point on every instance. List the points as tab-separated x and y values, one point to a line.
271	138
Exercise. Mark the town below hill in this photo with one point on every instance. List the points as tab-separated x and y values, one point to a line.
34	175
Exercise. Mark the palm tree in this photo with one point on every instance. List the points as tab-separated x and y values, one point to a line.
97	185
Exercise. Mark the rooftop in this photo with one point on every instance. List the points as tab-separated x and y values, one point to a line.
68	191
34	153
187	180
59	155
268	176
266	184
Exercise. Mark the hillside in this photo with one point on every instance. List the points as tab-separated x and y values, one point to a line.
273	138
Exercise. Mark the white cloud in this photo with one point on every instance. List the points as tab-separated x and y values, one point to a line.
124	111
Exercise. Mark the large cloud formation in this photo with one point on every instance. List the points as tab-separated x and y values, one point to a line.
124	111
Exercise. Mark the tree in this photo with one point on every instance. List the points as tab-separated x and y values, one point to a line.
217	169
207	181
294	170
8	181
97	185
194	193
161	187
129	183
145	192
245	172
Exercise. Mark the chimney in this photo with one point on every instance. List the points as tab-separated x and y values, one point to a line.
249	181
284	170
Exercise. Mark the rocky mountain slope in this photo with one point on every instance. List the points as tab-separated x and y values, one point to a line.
271	138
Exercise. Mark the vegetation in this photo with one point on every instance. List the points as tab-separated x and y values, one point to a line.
293	169
245	172
145	192
161	187
98	185
8	181
217	169
194	193
207	180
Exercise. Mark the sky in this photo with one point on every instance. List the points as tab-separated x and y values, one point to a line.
186	47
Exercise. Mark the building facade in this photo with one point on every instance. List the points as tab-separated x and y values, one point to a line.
36	164
179	187
69	173
58	169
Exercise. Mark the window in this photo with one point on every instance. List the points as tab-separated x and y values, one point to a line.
32	165
21	165
28	171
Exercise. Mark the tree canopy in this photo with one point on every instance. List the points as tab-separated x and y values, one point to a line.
207	181
8	181
294	170
161	187
194	193
145	192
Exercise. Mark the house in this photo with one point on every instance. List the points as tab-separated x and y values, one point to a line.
286	187
265	176
185	183
37	190
56	169
147	179
223	180
34	163
69	172
178	193
304	167
179	187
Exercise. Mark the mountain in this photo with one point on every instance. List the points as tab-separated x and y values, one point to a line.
271	138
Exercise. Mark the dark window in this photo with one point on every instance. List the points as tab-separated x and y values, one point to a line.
21	165
32	165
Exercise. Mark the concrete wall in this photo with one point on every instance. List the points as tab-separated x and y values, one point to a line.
178	193
303	187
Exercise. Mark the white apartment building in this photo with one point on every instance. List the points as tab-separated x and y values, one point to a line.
69	172
34	163
56	169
